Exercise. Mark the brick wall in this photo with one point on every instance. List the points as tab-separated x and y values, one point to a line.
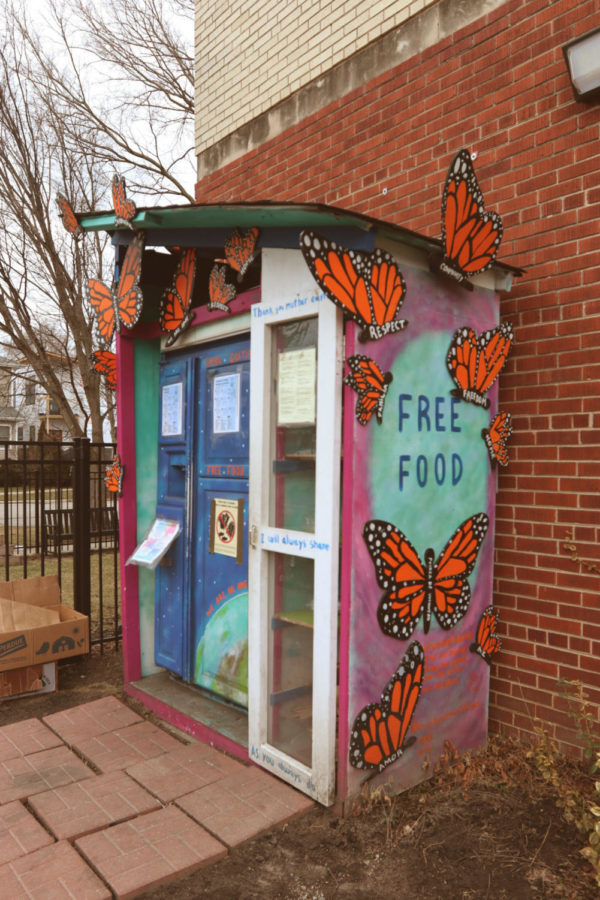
498	86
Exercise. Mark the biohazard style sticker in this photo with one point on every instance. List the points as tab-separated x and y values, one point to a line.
227	528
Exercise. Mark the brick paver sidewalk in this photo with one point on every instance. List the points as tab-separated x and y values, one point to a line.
95	802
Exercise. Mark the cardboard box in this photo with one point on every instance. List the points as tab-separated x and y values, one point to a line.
40	679
40	643
21	616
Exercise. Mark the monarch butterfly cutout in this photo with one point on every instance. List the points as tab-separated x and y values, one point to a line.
105	362
124	208
378	735
475	362
220	293
368	287
487	643
120	304
70	220
496	437
113	476
240	250
414	589
175	314
470	235
371	385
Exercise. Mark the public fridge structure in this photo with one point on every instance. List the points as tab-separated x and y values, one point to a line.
308	430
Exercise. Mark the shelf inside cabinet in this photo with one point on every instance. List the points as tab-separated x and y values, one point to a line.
302	617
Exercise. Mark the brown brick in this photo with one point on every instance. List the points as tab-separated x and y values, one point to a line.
90	719
20	833
148	850
119	749
23	738
28	775
76	809
54	871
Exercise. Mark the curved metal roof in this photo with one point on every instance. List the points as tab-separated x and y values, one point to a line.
264	214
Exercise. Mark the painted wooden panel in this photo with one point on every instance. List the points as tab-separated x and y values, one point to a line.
147	354
425	470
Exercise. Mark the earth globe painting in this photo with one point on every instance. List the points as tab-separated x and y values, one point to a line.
222	651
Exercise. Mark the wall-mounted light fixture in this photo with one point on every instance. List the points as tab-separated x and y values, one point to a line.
583	61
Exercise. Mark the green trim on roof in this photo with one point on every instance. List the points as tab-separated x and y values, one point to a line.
242	215
264	215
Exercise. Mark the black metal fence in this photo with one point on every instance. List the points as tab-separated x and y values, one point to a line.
57	517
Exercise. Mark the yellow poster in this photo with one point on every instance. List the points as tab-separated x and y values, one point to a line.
227	528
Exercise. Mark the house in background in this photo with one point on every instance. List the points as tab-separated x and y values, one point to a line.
37	416
10	421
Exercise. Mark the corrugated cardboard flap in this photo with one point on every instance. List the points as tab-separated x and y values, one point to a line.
41	591
33	642
16	616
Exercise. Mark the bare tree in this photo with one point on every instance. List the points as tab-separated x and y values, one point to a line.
141	119
59	133
41	271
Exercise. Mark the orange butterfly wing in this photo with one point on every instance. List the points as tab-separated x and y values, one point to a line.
474	362
451	590
240	249
124	208
462	358
400	573
105	362
497	437
487	642
387	287
113	476
368	287
128	296
69	218
101	301
371	385
175	314
471	236
494	348
341	279
378	736
121	304
220	293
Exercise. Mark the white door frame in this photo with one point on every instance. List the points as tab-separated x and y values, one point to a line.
289	293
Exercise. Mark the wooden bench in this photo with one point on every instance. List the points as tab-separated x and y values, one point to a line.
57	527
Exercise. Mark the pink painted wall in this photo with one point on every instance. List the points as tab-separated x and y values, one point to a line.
425	469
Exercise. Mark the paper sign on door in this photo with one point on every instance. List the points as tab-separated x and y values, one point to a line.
296	395
159	538
227	528
172	410
226	404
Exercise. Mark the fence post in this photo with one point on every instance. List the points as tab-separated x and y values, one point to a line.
7	522
81	526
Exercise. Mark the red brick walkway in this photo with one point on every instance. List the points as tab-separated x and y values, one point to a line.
95	802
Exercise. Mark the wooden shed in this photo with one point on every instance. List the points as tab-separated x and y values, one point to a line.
319	491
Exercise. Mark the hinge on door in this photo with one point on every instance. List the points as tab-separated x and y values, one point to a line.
253	535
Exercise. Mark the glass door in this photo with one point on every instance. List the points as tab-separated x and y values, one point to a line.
295	414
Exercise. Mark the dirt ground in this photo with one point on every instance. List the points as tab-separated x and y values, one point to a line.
484	826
